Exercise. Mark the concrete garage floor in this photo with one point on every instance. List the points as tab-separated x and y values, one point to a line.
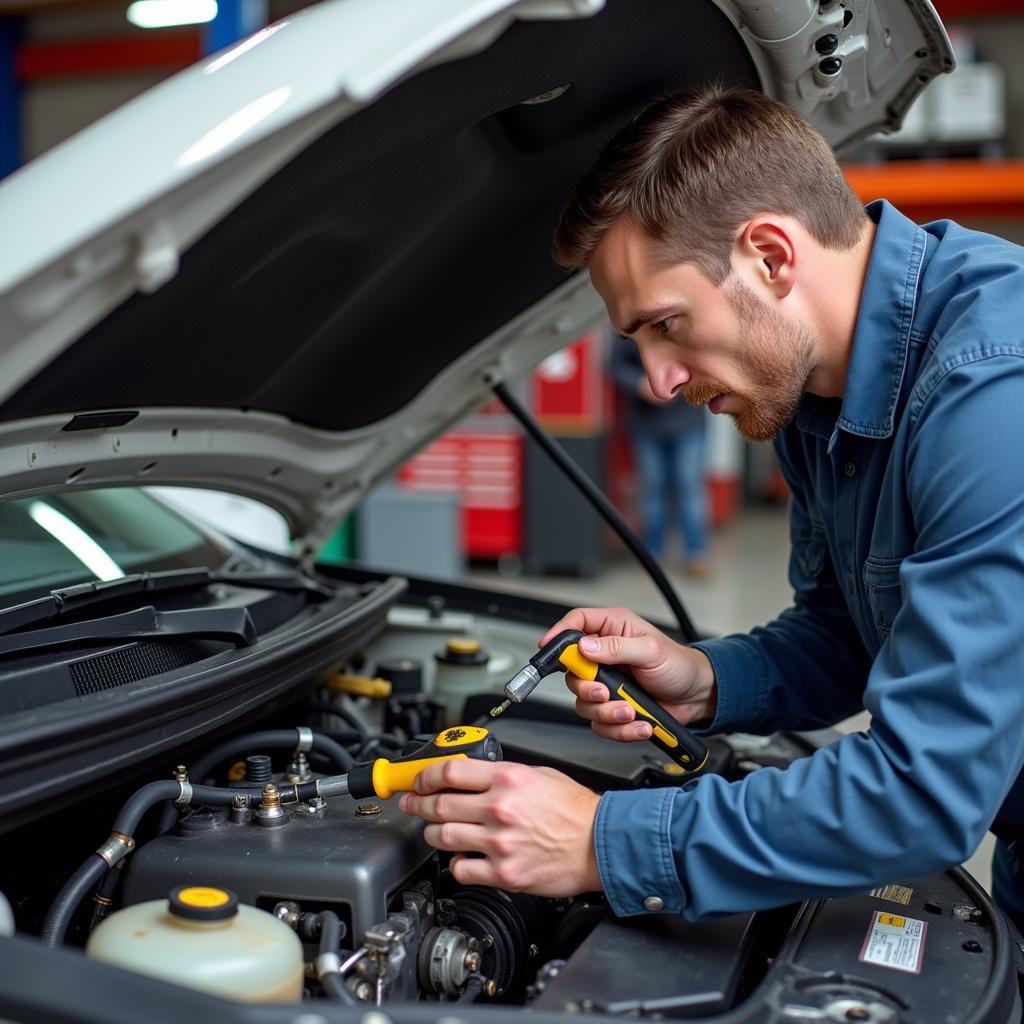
747	586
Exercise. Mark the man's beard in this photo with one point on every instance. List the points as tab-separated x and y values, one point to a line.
777	356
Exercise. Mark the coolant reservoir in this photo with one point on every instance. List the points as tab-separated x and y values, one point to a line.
201	937
461	672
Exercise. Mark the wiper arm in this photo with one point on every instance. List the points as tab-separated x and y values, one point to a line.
69	599
233	625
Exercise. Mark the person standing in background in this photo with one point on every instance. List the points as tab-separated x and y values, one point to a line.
669	441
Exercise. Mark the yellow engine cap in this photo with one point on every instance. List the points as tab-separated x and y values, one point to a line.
463	645
202	903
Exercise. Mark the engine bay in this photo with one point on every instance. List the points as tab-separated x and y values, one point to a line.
369	914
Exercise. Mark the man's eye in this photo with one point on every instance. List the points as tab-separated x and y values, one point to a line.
663	326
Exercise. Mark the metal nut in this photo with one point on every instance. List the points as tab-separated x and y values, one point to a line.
367	810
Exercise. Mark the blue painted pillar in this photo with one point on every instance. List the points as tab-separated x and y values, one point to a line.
10	95
235	20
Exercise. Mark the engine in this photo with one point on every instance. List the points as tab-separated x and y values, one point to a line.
242	878
408	930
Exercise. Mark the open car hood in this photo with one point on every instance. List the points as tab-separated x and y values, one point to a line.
287	268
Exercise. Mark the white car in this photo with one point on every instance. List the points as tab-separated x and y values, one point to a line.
279	274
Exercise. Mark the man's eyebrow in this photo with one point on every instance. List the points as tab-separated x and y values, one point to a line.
647	316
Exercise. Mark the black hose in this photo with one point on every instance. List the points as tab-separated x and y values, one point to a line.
104	894
473	988
140	801
603	506
330	939
75	889
330	931
384	739
345	715
334	986
127	820
333	750
270	739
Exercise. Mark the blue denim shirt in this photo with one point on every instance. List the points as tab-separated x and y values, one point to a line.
907	566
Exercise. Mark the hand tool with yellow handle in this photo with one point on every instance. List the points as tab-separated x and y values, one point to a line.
563	653
385	777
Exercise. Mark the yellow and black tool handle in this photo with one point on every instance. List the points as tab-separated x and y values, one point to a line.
383	778
675	739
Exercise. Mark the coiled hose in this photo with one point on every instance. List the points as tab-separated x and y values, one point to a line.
271	739
90	874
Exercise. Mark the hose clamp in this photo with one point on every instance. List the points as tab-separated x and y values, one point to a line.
186	793
305	742
327	963
116	848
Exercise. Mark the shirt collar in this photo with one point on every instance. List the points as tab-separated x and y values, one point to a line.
884	320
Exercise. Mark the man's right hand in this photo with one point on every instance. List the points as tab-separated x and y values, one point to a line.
680	678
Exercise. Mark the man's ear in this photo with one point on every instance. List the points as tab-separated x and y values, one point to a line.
767	247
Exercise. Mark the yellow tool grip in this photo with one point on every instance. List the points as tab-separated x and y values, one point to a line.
674	738
578	663
391	777
384	778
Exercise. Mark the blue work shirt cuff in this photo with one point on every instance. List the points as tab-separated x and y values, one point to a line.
741	683
632	840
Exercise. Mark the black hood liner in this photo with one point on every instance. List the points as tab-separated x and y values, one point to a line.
399	239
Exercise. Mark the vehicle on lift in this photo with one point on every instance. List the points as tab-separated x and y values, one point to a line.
300	261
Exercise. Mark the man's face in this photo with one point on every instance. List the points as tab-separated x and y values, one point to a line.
721	346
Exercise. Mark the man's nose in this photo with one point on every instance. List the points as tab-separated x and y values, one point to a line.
665	373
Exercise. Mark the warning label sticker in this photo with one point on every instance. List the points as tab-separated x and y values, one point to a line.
894	941
893	893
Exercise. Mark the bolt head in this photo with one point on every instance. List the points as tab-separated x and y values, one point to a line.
240	800
830	66
827	43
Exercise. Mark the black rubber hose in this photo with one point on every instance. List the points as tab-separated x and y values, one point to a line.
271	739
473	988
607	511
341	758
75	889
384	739
330	931
141	800
334	986
344	714
92	871
330	939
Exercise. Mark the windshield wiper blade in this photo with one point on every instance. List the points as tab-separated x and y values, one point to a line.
233	625
69	599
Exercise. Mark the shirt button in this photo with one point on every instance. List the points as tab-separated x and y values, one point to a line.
850	469
654	903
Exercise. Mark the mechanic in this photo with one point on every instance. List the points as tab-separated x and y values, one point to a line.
887	362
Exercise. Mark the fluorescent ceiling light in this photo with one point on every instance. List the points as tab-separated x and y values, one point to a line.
161	13
76	540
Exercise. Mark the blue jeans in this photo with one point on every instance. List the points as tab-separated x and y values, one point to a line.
667	465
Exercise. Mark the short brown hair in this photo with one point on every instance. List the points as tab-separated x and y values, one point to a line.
693	167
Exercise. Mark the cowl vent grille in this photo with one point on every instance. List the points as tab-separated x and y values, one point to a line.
133	662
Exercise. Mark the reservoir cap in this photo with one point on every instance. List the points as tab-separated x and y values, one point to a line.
202	903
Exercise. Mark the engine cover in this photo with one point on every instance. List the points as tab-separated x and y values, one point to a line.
352	859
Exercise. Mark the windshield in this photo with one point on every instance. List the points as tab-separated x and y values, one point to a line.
57	540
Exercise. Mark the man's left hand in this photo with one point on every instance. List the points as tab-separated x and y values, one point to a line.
534	826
